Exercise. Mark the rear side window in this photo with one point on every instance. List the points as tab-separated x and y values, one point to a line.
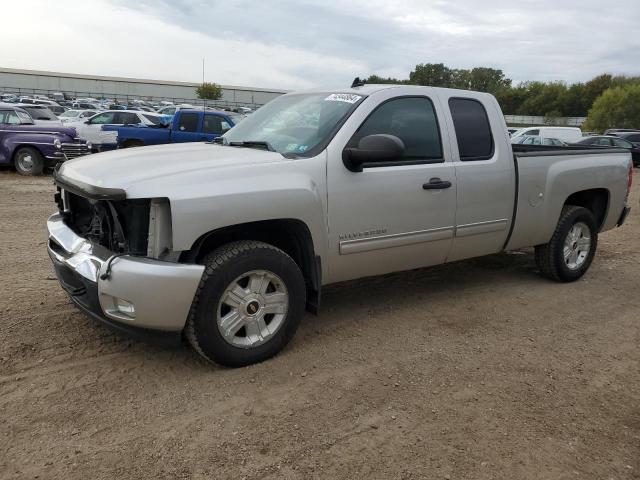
473	131
413	120
41	113
188	122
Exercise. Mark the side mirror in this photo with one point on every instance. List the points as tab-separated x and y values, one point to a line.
373	149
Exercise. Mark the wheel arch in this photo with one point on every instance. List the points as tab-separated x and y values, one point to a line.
289	235
19	146
595	200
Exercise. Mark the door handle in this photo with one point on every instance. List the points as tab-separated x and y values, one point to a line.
436	184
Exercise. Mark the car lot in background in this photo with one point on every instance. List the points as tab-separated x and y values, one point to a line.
532	140
613	141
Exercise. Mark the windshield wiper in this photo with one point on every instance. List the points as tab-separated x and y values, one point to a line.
247	143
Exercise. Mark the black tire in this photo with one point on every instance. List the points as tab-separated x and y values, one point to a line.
28	161
550	257
224	265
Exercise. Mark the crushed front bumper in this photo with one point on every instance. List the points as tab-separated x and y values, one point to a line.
142	297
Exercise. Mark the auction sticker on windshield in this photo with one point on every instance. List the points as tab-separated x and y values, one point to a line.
343	97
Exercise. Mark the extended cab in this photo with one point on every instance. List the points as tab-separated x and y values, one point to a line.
226	243
188	125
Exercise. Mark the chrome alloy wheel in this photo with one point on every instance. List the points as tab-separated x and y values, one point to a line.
252	308
577	246
25	161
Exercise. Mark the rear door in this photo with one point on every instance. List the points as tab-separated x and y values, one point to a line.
383	218
485	174
187	127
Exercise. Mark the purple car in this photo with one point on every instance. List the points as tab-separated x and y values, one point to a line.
30	148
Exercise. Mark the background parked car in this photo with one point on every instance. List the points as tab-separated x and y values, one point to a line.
616	131
532	140
612	141
29	147
86	106
40	114
91	129
76	115
9	98
195	125
566	134
633	137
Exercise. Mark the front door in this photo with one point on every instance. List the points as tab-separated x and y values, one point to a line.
188	128
389	217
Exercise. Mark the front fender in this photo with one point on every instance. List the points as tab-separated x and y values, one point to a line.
270	197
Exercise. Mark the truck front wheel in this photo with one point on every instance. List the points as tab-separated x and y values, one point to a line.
248	305
572	247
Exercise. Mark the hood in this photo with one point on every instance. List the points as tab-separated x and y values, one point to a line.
53	129
125	168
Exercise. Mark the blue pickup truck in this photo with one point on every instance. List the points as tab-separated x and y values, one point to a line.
188	125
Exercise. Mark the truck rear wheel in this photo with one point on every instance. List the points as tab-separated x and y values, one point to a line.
572	247
248	305
28	161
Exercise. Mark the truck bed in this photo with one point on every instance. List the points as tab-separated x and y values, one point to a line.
546	176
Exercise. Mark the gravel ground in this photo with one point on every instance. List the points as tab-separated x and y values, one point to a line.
479	369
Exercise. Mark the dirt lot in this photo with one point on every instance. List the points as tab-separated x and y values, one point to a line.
479	369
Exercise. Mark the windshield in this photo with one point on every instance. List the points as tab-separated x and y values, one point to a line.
295	124
70	113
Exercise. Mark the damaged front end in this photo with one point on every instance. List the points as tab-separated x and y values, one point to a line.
113	256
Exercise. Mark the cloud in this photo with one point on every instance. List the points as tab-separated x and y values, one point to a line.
293	44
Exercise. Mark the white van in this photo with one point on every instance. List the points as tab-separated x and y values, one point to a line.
566	134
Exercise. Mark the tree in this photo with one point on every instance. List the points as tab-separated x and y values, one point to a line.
209	91
431	74
617	107
491	80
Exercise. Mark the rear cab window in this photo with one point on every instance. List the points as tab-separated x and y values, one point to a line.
473	131
189	122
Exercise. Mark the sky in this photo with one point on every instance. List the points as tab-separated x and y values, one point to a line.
297	44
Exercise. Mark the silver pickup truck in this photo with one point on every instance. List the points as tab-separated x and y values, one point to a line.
226	243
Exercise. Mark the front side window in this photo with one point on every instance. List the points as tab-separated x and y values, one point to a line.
9	117
411	119
633	138
473	131
189	122
604	142
296	124
103	119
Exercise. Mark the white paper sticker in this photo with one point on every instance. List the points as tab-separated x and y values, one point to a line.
343	97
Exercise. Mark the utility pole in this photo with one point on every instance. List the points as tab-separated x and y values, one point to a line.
205	97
